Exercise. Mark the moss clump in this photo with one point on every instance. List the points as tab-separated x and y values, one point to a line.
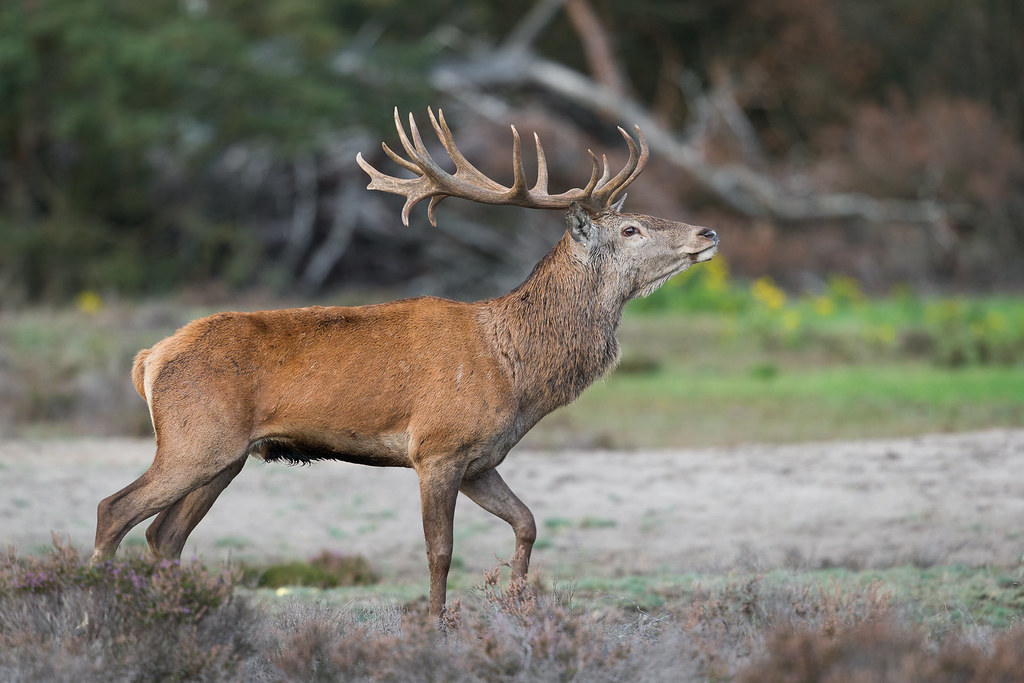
327	570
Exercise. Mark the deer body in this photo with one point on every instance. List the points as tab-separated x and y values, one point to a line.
444	387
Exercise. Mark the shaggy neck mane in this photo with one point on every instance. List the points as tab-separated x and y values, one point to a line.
555	333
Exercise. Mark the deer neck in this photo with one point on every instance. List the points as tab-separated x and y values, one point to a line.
555	333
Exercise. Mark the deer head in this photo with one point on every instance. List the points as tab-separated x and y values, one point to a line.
633	253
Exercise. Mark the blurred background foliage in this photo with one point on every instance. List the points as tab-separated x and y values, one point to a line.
863	161
149	146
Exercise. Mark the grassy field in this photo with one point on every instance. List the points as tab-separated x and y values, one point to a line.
684	406
937	597
705	362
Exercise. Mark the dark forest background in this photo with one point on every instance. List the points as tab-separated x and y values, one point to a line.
149	147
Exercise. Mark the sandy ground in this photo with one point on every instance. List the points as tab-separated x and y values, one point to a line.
933	499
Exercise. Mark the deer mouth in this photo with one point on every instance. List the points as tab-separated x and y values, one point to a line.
697	256
706	254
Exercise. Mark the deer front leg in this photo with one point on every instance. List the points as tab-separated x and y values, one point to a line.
439	487
489	491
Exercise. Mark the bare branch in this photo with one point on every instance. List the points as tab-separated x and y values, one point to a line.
743	189
532	25
724	100
597	46
343	224
304	213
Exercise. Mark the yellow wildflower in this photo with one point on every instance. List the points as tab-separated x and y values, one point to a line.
823	306
716	275
765	291
88	302
883	334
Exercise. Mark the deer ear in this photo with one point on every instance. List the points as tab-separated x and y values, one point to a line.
617	206
580	226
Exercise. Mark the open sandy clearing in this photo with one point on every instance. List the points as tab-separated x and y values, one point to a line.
934	499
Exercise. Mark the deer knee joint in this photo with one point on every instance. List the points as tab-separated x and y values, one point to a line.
526	530
439	558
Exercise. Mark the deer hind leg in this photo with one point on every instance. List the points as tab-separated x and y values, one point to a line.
489	491
171	477
171	528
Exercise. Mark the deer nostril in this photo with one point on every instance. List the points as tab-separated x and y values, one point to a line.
709	234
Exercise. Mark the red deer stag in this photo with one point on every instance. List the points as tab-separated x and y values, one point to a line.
444	387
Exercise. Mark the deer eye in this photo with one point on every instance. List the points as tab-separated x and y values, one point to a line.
630	230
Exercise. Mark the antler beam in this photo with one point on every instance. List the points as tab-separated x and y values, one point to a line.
468	182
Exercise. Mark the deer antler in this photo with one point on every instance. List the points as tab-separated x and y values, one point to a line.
468	182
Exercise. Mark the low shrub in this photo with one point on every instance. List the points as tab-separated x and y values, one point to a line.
138	620
884	651
132	619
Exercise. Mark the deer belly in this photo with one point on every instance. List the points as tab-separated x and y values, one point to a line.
380	450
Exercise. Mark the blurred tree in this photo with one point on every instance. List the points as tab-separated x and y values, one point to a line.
143	145
111	106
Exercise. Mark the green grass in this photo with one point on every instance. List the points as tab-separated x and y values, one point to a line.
706	362
682	406
934	596
710	364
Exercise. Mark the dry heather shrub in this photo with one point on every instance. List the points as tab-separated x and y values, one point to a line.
517	632
885	651
317	641
724	628
163	621
524	631
134	619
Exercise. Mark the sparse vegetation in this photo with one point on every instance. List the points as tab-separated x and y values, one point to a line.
138	620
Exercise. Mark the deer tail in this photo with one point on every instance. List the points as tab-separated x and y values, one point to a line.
139	372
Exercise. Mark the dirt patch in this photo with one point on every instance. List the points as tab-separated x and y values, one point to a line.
955	498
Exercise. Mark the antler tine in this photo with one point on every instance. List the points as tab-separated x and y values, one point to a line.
398	159
413	188
542	168
518	171
404	139
594	175
434	201
428	166
641	163
462	165
605	173
604	192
